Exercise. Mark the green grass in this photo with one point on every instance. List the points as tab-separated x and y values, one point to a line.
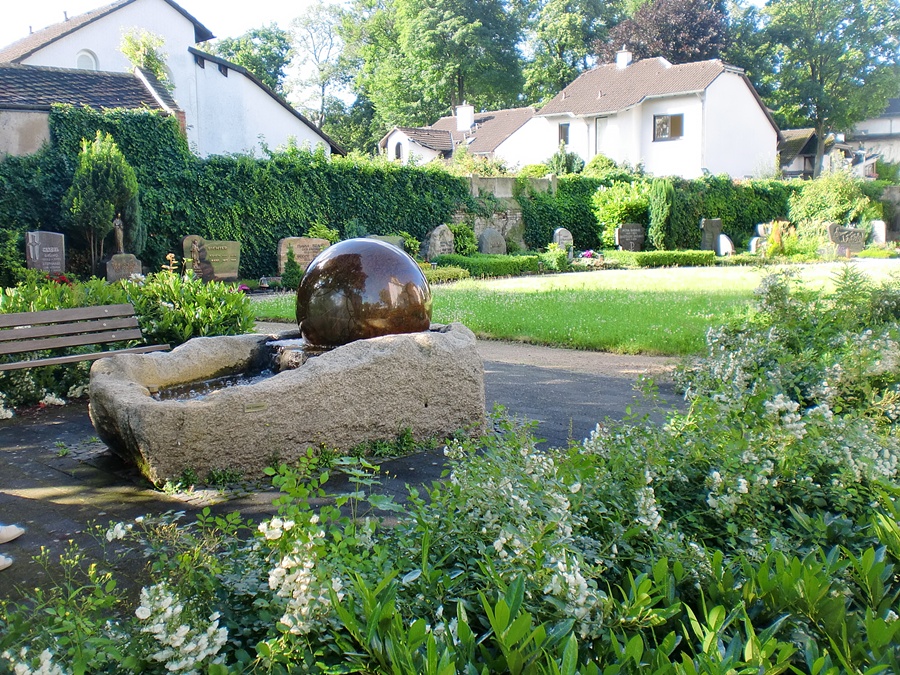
653	311
277	307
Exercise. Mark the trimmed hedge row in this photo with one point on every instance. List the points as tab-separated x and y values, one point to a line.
483	265
662	258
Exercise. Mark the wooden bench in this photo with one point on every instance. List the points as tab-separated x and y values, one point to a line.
59	328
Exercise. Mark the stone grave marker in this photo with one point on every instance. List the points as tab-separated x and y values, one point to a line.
491	242
122	266
563	238
724	245
45	251
392	239
212	260
847	240
710	229
304	248
879	232
438	242
630	237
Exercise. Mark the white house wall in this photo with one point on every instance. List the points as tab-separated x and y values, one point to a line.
740	141
887	143
678	156
235	115
532	143
408	149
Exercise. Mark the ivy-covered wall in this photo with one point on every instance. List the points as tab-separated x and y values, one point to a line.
254	201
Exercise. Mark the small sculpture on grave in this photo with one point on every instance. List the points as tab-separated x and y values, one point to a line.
119	228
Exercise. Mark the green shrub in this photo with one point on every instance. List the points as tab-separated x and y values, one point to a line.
533	171
874	252
322	231
483	265
661	197
293	273
563	162
410	244
554	259
464	240
444	274
834	197
599	166
173	308
636	259
623	202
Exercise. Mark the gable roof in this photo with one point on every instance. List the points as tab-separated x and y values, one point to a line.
490	130
224	63
433	139
22	49
609	88
794	143
38	87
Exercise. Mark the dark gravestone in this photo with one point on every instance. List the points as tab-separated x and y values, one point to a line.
122	266
630	237
212	260
710	229
492	242
439	242
563	238
45	251
304	248
847	240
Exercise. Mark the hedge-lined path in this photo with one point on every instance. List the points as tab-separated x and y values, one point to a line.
56	478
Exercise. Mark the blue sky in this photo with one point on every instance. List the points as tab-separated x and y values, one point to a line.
225	18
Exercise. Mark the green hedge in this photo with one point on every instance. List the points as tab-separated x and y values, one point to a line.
662	258
446	274
254	201
483	265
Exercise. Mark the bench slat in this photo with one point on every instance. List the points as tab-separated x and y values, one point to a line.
69	341
58	330
64	315
56	360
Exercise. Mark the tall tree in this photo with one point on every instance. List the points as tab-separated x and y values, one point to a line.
680	31
836	62
318	49
144	50
560	38
265	52
748	47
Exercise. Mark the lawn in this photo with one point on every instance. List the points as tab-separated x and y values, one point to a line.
654	311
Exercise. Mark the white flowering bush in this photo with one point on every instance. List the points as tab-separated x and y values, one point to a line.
755	532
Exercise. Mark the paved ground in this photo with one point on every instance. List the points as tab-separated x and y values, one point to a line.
56	478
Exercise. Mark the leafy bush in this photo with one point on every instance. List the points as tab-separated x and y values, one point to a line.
322	231
293	273
410	244
464	240
834	197
533	171
636	259
554	259
623	202
444	274
483	265
599	166
661	198
875	252
563	163
173	308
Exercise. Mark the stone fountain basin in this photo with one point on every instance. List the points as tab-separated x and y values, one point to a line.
430	382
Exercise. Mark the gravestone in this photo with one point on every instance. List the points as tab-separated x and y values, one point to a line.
710	229
45	251
724	245
438	242
304	248
879	232
847	240
630	237
563	238
393	239
122	266
758	243
492	242
213	260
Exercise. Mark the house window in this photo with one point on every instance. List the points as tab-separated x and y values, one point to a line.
86	60
668	127
398	151
564	134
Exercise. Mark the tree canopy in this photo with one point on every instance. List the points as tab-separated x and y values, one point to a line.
265	52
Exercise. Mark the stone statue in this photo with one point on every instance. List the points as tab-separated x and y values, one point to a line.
119	227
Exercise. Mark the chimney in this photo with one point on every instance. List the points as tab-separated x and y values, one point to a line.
465	117
623	58
65	15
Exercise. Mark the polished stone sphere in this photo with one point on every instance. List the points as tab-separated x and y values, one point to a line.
361	288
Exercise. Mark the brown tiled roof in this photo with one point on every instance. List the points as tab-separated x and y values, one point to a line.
37	87
433	139
608	88
490	130
22	49
228	65
795	140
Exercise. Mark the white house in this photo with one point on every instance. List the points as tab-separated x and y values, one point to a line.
226	109
515	135
882	134
797	152
677	120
